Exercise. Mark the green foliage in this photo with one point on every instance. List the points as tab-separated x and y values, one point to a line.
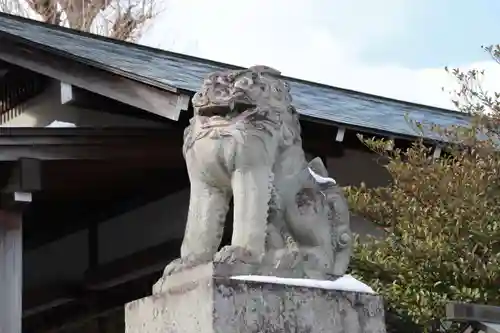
442	216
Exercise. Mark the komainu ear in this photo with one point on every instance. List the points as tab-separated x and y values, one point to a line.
318	167
265	70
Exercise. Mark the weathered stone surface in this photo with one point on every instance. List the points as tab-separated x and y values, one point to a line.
195	300
290	221
223	270
244	143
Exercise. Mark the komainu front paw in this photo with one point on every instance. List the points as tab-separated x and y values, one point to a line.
180	264
174	266
236	254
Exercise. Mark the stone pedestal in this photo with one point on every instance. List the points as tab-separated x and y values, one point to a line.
200	300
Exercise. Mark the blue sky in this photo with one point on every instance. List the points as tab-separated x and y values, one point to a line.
393	48
442	32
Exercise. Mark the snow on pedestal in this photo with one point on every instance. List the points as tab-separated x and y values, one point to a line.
344	283
60	124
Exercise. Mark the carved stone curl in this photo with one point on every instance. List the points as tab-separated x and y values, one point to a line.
244	142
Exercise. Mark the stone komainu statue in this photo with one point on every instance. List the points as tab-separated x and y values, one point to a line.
244	142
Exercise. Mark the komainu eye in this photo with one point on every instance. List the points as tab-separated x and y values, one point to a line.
243	82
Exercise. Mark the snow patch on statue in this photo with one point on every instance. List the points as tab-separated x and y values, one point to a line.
321	179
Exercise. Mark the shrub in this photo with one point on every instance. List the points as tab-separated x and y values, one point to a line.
442	216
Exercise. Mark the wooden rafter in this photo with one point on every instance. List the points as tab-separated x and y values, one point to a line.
162	102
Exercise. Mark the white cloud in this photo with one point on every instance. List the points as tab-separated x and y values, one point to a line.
317	40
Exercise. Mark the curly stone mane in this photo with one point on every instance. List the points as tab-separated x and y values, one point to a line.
246	100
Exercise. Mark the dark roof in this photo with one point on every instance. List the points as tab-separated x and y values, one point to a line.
171	70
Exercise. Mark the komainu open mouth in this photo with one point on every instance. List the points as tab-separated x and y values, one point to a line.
211	110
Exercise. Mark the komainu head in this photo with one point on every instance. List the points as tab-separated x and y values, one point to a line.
233	92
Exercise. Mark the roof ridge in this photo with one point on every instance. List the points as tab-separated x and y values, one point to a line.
114	41
217	63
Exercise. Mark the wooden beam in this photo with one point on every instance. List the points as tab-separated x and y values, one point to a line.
57	136
25	177
15	196
48	297
82	210
78	97
75	314
108	287
67	95
118	152
11	273
165	103
183	102
102	144
149	261
340	134
437	152
11	265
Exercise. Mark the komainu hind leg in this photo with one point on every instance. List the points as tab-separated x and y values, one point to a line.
308	218
308	221
338	218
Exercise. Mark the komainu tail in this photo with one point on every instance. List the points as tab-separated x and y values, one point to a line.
338	215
